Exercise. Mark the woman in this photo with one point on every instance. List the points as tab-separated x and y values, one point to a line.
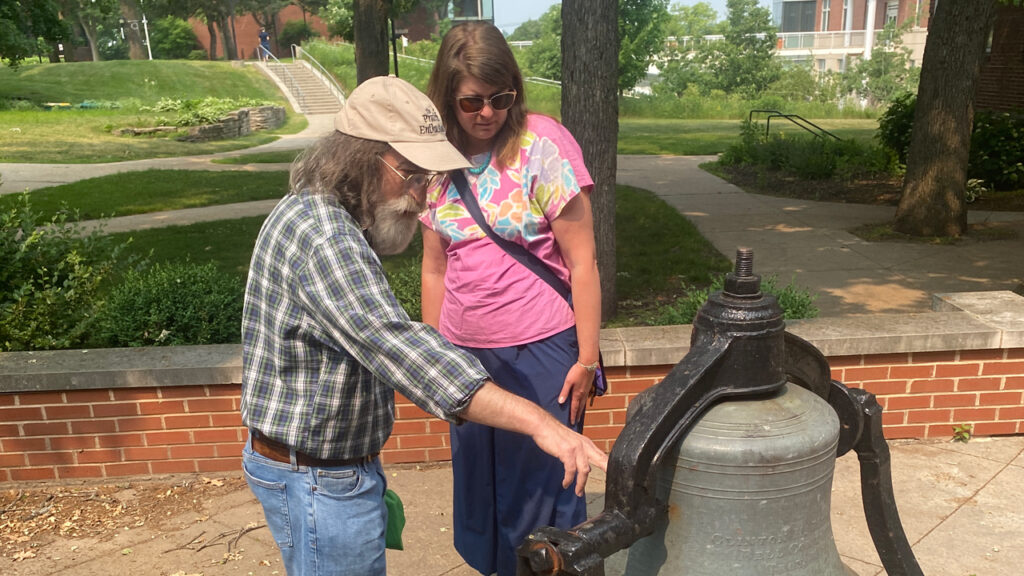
528	176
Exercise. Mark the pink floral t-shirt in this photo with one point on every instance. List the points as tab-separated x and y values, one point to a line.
491	300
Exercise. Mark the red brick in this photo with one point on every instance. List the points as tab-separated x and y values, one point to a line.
216	435
403	427
864	374
26	474
410	412
598	418
602	432
226	419
932	357
5	475
24	444
928	416
420	441
163	438
1011	413
845	361
145	454
232	450
93	426
99	456
183	392
391	443
632	386
187	421
937	385
224	390
954	400
887	359
908	402
656	372
196	405
1014	383
912	372
126	469
162	407
894	432
886	387
610	402
72	442
8	399
19	414
893	418
939	431
32	398
9	431
65	412
45	428
837	374
1015	354
173	467
981	355
135	395
957	370
193	451
995	428
439	454
11	460
978	384
618	417
993	399
1002	368
87	396
121	440
115	409
974	414
68	472
404	456
220	464
142	423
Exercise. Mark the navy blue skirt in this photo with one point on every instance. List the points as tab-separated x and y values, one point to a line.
505	487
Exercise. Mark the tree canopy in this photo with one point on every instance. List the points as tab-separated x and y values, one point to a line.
22	24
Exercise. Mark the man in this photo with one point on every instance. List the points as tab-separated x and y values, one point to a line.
325	343
264	48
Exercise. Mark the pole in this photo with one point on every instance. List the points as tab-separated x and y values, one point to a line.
145	27
394	44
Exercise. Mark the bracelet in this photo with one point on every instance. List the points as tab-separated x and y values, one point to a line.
589	367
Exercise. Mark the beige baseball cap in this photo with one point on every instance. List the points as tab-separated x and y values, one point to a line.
389	109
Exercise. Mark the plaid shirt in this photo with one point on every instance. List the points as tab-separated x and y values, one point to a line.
325	343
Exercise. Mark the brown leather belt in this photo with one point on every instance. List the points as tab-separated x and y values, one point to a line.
280	453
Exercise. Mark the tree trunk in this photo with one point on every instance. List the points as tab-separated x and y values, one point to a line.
370	27
224	23
933	200
90	35
133	30
211	29
590	110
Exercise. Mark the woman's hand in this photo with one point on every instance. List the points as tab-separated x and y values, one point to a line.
578	383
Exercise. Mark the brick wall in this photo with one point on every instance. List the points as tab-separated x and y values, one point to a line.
1001	83
103	433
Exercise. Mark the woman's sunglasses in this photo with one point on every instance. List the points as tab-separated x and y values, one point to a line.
474	104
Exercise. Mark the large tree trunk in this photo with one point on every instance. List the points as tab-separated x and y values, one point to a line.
370	27
133	30
211	29
590	110
90	35
932	203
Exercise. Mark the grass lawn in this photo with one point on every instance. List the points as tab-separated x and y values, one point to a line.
29	133
129	193
274	157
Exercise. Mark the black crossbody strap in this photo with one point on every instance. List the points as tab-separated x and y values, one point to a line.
517	251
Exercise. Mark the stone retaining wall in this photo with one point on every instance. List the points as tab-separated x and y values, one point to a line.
238	123
118	412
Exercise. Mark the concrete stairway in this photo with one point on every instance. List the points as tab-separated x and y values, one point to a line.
313	96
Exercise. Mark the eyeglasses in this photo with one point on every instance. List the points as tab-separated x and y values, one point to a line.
474	104
425	179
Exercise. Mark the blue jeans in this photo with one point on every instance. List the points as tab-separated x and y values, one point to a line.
326	521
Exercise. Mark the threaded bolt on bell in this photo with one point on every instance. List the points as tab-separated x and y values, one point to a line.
743	282
744	262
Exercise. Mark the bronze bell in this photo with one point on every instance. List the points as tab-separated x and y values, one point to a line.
725	466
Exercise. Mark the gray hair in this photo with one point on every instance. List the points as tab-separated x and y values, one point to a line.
344	166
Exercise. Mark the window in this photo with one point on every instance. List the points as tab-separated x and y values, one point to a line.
798	16
846	14
892	12
826	10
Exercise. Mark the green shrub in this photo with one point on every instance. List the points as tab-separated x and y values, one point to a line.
173	304
198	55
51	278
895	124
997	149
173	38
295	32
405	284
196	112
796	302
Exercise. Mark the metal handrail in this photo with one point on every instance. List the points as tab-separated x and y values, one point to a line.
293	85
316	68
796	119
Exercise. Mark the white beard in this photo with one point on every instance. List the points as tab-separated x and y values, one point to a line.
394	225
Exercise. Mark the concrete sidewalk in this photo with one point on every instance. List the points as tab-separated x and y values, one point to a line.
959	504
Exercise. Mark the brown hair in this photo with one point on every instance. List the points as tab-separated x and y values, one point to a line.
344	166
478	50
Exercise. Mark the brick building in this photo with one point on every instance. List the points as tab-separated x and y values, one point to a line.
247	33
1001	84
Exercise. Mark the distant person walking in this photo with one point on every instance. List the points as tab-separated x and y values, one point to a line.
264	44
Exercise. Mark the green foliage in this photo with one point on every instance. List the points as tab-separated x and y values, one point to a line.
172	38
295	32
544	58
895	123
997	149
338	16
962	432
405	282
796	302
51	278
172	304
529	30
808	157
887	74
196	112
691	21
21	23
641	36
197	54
